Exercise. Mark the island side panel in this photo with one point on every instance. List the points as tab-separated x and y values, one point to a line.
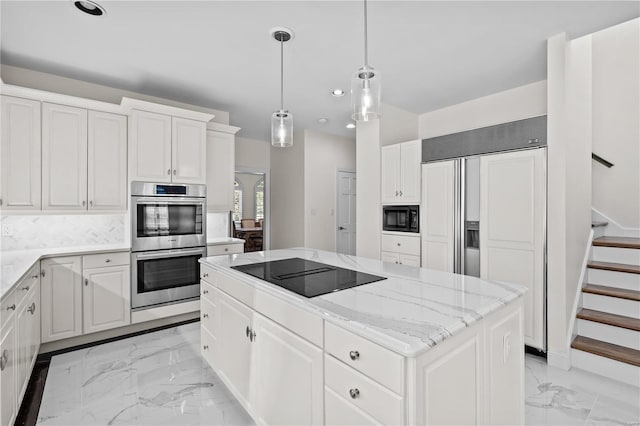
474	377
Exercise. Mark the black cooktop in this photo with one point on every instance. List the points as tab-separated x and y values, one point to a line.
307	278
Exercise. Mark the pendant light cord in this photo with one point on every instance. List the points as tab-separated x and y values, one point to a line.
281	75
366	53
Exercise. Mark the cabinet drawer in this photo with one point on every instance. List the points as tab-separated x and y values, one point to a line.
339	412
372	398
207	292
208	346
30	280
380	364
208	315
8	307
401	244
217	250
105	259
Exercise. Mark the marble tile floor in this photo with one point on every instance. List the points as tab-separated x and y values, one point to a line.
160	378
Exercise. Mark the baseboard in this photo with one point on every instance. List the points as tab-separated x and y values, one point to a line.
559	360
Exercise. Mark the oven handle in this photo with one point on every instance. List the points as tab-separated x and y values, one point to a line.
171	253
166	200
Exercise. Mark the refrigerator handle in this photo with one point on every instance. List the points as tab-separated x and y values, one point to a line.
456	216
463	214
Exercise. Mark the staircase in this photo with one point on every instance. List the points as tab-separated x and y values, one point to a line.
608	324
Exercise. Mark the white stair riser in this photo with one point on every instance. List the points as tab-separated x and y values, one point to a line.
614	279
613	305
606	367
617	255
609	333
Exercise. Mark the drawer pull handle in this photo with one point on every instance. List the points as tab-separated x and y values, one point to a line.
107	260
205	315
25	288
227	249
4	359
248	331
35	277
205	275
355	392
205	291
12	307
32	308
86	282
354	355
205	347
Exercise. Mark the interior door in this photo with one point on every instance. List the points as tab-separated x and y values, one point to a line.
512	211
346	213
438	211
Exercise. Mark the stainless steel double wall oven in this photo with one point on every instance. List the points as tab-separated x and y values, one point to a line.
168	237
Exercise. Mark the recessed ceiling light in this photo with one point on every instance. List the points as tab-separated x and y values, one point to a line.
337	93
350	126
323	120
90	7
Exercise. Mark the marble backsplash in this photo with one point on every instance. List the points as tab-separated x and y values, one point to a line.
24	232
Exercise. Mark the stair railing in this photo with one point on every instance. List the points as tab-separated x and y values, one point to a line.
601	160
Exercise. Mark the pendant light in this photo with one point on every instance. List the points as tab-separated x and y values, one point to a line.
282	120
365	86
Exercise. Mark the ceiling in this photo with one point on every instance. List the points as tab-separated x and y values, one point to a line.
219	54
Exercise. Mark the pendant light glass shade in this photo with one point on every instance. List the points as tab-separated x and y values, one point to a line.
365	94
281	129
365	86
282	120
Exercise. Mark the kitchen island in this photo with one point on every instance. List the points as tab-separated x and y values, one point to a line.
418	347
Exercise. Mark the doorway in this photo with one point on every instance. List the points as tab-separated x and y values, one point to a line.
250	215
346	213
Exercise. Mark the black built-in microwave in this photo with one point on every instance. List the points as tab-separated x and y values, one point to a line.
401	218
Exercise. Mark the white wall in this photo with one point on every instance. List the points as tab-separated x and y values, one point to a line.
368	215
67	86
397	125
324	155
253	153
511	105
287	194
616	124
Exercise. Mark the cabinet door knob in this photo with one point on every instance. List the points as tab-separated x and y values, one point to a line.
248	331
169	172
35	277
84	203
107	260
227	249
355	392
205	291
91	203
354	355
205	347
4	359
11	308
174	172
32	308
205	275
205	315
42	274
401	193
398	244
25	288
86	281
252	336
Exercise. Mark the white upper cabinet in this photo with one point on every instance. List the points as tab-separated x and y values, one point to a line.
167	149
188	148
150	146
64	157
220	171
20	154
107	157
400	173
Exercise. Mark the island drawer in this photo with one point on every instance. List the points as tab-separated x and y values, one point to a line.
208	346
359	390
106	259
208	315
401	244
380	364
339	411
219	249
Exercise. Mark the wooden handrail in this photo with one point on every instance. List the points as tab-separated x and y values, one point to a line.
601	160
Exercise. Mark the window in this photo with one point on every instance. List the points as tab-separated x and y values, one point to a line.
237	200
259	199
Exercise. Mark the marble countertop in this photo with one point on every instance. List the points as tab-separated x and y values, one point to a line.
410	312
15	264
224	240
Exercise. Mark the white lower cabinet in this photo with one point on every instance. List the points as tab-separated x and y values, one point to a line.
8	367
77	300
28	335
286	376
400	249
